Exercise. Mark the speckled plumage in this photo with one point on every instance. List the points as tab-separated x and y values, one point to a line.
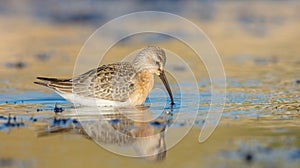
118	82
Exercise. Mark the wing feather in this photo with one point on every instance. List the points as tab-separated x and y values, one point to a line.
109	82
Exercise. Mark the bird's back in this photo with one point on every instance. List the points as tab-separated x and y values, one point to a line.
113	82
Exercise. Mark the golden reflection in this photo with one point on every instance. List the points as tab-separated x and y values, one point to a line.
134	127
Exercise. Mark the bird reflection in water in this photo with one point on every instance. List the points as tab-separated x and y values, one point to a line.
134	127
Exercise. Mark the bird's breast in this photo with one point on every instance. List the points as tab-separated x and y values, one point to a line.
144	82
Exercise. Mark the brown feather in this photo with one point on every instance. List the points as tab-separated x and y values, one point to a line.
109	82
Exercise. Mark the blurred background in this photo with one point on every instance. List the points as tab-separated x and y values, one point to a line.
258	42
261	34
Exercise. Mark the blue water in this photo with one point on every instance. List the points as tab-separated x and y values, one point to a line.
25	109
37	103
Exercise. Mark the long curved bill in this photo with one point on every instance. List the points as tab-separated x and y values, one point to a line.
163	78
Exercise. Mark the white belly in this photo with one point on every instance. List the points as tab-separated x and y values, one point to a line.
88	101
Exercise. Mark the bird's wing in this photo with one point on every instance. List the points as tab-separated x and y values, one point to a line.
109	82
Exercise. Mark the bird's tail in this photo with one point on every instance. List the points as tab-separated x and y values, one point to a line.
60	85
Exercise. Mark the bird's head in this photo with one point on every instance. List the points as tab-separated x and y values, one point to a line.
153	60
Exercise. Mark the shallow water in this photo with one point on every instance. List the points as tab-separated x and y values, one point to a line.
260	123
256	127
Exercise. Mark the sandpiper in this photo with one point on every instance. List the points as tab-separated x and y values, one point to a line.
123	83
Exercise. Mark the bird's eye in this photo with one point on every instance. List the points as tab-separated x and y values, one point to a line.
157	63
